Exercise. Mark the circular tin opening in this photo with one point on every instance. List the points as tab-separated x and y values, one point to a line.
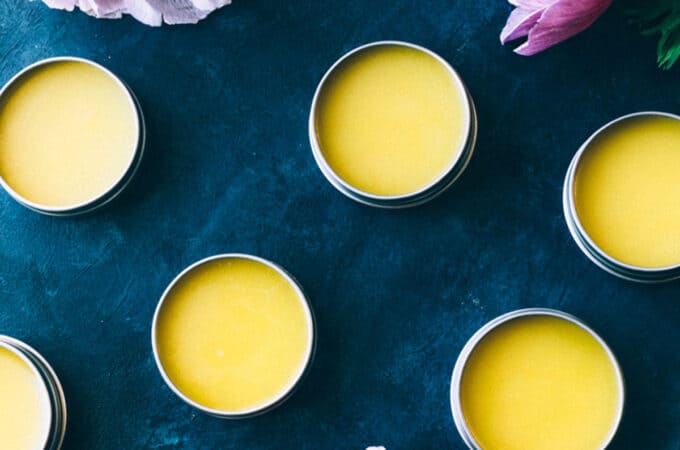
462	152
55	391
128	166
292	381
468	350
44	405
584	240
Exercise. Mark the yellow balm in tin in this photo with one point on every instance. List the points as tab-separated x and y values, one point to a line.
69	133
537	380
627	188
233	335
392	124
25	409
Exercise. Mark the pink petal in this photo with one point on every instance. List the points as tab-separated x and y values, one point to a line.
61	4
209	5
100	8
144	12
105	7
560	21
519	23
150	12
178	11
532	4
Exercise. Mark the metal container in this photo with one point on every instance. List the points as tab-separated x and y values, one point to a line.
471	344
275	402
586	244
55	392
118	187
423	195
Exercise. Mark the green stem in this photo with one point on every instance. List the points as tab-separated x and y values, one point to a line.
661	17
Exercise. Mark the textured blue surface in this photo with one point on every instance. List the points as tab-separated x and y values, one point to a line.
396	293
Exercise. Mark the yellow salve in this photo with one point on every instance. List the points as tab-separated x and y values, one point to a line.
391	120
627	191
68	133
25	411
540	383
233	335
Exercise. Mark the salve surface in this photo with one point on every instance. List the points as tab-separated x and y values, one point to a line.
391	120
233	334
627	191
24	405
540	383
68	133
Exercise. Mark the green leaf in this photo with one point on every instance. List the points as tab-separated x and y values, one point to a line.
661	17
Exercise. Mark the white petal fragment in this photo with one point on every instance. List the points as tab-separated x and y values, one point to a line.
150	12
61	4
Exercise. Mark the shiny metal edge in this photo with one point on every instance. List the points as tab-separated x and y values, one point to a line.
423	195
603	260
468	348
54	388
295	382
117	187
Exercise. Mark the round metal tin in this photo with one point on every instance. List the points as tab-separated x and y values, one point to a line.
459	368
297	380
122	182
434	189
586	244
57	399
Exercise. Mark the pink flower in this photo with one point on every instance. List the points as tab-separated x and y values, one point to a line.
549	22
150	12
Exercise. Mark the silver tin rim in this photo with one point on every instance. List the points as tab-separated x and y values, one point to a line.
425	194
123	180
295	381
55	391
459	368
586	244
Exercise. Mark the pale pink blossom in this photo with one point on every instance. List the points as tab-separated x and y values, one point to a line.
548	22
150	12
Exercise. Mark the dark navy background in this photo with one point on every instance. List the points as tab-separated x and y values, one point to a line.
396	293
